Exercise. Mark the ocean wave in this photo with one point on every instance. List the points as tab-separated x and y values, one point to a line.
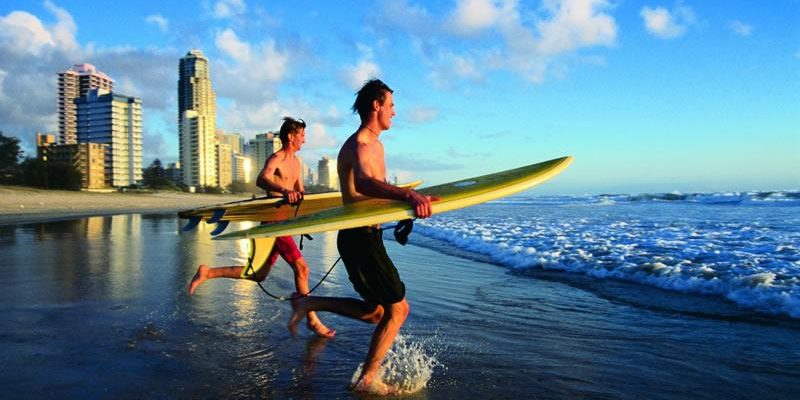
761	198
750	265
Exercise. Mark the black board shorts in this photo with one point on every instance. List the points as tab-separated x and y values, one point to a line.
369	268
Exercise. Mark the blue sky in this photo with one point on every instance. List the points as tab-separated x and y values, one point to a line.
648	96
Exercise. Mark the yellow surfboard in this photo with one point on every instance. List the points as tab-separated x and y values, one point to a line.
454	195
263	209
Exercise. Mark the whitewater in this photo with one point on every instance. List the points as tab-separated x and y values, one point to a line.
743	247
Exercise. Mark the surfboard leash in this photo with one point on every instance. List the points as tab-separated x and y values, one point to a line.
283	298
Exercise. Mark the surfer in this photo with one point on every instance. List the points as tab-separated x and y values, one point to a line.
362	174
280	177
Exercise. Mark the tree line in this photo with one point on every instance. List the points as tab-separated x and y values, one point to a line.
16	169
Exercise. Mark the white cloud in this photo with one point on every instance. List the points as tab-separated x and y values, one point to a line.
158	20
251	71
230	44
667	24
317	137
24	33
250	118
229	8
504	35
575	24
21	33
356	75
31	53
399	13
422	114
450	66
472	16
64	29
740	28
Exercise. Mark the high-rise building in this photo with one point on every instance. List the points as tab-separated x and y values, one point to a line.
241	167
235	140
115	120
197	117
224	165
73	83
264	145
309	177
327	173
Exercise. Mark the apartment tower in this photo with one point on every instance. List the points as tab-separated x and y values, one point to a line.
197	116
73	83
115	120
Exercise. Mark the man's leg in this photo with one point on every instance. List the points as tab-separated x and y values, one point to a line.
204	273
301	284
393	318
348	307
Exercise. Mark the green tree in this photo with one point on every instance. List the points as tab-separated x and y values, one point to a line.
62	175
50	175
34	173
10	153
155	177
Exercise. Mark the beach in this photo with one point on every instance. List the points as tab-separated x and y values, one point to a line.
20	204
98	308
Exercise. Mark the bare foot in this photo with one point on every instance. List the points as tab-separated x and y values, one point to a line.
199	277
374	386
316	326
297	313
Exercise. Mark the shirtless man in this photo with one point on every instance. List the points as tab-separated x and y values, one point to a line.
280	177
362	173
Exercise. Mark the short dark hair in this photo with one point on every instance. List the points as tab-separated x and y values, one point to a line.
290	125
373	90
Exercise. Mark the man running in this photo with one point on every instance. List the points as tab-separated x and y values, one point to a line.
362	174
280	177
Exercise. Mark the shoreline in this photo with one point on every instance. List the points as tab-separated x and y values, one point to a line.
20	205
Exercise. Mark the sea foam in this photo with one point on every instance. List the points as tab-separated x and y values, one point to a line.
725	244
409	364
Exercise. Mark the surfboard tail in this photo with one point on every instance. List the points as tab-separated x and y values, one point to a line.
260	249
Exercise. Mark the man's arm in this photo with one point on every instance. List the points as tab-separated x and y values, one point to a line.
368	166
268	181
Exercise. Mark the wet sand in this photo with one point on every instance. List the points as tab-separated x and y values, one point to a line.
23	205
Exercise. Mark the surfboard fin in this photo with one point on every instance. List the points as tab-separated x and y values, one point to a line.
402	230
221	225
193	221
260	248
218	214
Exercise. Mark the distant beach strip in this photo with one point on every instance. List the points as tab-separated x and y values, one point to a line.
24	205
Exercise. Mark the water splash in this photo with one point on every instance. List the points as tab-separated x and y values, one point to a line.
408	366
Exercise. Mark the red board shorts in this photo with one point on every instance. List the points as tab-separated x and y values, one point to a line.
286	248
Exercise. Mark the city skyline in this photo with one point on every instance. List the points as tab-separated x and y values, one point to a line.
646	95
